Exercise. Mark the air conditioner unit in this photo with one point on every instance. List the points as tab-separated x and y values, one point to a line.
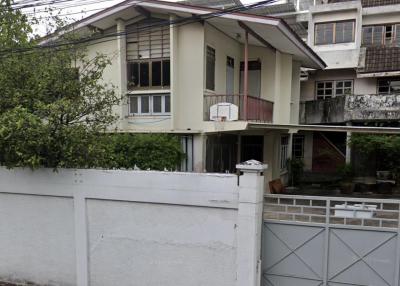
224	111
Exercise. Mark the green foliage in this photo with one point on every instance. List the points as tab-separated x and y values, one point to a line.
296	169
54	106
146	151
370	142
346	172
386	146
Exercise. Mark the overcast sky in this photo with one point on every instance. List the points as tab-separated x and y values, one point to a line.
75	10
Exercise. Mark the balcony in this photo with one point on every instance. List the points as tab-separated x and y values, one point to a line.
372	107
323	111
340	109
252	109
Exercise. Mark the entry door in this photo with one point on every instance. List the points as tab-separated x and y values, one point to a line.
252	148
230	75
254	78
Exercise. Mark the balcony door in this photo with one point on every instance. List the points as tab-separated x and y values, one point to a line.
254	78
230	75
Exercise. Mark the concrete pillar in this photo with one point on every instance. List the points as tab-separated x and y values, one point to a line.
348	147
122	71
250	217
199	153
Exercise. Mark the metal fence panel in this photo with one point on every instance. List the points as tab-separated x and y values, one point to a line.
299	251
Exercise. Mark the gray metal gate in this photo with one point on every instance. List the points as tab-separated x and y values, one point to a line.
311	241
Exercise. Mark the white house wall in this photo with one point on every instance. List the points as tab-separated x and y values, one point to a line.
343	55
224	46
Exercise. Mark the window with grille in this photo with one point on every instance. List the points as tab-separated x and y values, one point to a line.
381	35
148	55
334	32
210	68
332	88
298	147
150	104
284	152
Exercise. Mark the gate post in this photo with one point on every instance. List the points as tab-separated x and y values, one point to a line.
250	217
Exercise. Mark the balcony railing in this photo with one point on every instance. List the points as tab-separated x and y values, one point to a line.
255	109
365	107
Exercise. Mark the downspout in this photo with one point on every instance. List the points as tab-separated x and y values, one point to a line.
246	74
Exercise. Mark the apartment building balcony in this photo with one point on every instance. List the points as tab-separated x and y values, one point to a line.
341	109
323	111
235	107
371	107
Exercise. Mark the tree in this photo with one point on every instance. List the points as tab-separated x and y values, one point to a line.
54	108
386	147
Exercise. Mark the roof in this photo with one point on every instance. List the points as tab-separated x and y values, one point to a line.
273	30
327	128
381	59
221	4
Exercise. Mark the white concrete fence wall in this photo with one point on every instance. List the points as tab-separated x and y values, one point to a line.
97	227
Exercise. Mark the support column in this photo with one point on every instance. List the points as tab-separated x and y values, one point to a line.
250	218
199	153
246	74
122	71
239	149
348	147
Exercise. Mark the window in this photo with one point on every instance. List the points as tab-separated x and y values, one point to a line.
284	152
210	69
343	87
230	75
148	52
147	39
148	74
324	89
344	32
254	78
379	35
298	147
334	32
152	104
389	86
332	88
187	148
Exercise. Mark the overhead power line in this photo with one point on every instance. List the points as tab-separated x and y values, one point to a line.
162	23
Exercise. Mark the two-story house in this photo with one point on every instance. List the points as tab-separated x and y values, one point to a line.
204	74
360	42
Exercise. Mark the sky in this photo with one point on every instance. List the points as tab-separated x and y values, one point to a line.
74	10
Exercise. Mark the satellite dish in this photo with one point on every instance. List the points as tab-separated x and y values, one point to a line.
224	111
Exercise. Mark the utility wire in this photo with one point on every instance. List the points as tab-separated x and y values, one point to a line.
174	23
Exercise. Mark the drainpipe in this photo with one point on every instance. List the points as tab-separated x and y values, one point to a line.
246	74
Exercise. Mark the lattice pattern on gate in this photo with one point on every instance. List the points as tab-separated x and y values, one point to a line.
307	243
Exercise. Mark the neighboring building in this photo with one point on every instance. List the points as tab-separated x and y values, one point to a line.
206	81
360	42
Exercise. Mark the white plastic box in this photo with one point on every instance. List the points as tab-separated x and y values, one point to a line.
355	211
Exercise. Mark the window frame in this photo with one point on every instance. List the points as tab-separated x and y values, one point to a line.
390	79
151	104
334	42
150	79
284	152
294	145
334	88
209	88
394	39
